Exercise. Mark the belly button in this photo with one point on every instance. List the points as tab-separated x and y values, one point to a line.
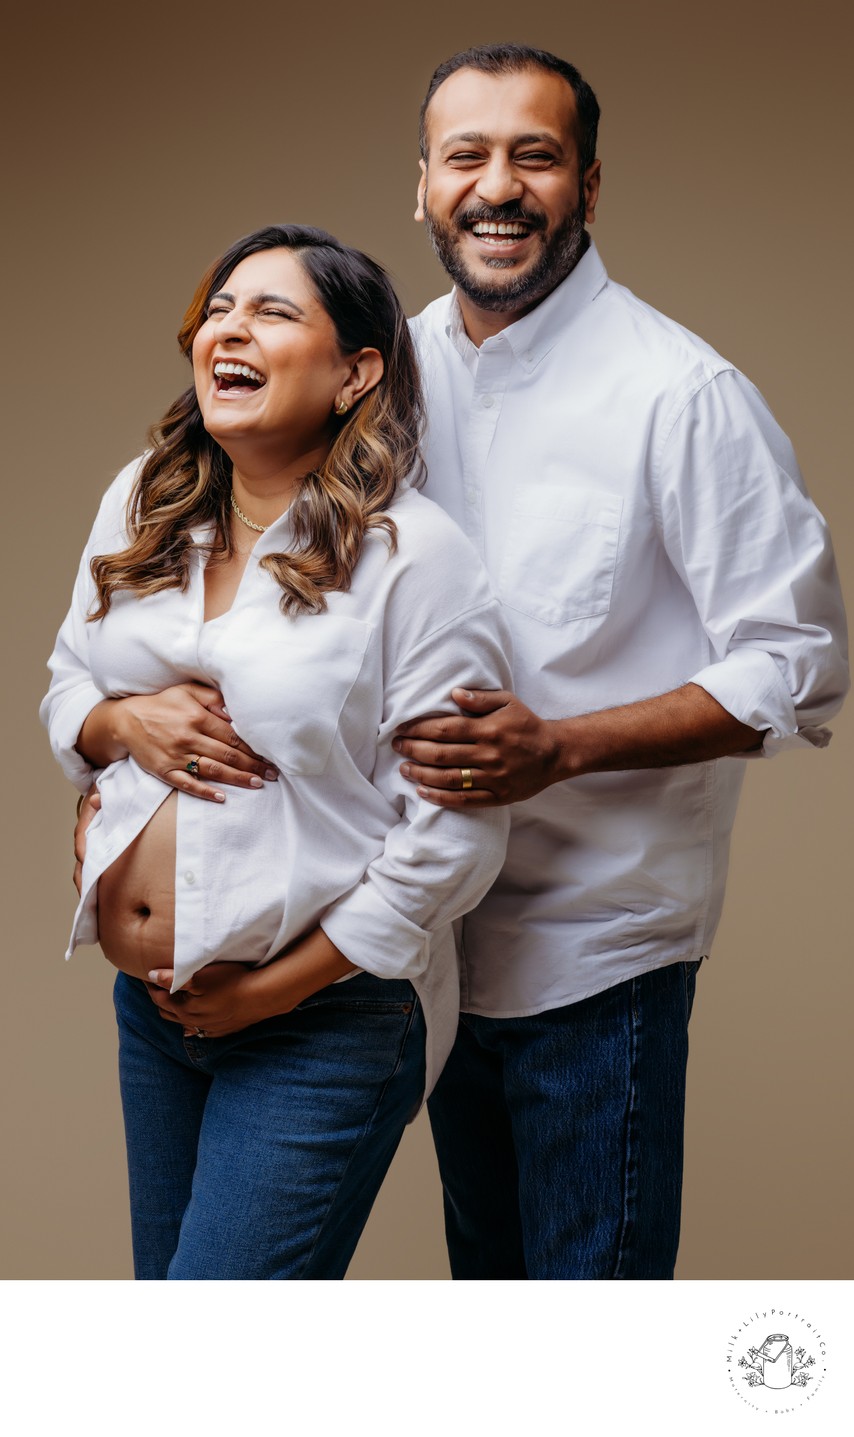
143	911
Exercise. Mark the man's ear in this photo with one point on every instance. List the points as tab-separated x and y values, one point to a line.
590	188
422	191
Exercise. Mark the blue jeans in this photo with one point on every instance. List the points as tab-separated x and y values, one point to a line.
560	1136
259	1155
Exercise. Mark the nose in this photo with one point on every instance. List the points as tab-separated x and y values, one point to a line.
498	182
233	327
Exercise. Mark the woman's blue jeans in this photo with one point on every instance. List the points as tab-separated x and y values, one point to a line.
259	1155
560	1136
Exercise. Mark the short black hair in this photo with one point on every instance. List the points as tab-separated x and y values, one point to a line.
508	60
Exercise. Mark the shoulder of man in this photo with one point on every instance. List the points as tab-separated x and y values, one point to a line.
433	318
671	351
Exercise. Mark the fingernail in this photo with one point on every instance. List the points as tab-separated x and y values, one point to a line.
152	977
406	770
227	714
219	798
256	782
397	743
271	773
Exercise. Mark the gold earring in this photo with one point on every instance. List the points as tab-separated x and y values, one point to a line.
341	407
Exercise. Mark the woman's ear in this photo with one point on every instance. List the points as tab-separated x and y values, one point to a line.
366	371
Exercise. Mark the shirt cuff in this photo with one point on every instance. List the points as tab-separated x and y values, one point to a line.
65	730
375	936
749	685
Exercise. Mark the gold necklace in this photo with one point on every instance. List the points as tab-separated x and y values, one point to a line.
259	528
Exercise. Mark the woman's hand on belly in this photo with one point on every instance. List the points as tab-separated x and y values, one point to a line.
185	724
222	998
86	811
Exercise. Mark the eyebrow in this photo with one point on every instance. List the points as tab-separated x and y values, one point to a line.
258	299
477	137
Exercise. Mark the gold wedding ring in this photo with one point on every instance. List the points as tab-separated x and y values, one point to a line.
465	775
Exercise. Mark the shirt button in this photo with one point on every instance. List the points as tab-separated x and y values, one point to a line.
487	401
189	876
471	495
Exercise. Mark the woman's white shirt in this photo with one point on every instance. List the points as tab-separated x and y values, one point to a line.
340	839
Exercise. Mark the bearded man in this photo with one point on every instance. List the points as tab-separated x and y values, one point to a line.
675	610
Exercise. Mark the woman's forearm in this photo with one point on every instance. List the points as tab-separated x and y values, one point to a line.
100	740
182	735
310	965
226	997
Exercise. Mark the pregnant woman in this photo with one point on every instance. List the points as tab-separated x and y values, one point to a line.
288	985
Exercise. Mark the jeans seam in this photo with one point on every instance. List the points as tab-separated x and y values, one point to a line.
630	1134
416	1006
690	971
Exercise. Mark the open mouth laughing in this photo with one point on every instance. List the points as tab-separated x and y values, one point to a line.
502	232
506	236
237	379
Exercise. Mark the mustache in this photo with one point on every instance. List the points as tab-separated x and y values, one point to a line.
512	212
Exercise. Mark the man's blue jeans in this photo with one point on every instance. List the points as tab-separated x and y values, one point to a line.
259	1155
560	1136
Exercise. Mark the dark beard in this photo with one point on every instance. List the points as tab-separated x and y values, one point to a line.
559	254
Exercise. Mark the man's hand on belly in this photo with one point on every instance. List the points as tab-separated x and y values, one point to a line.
86	812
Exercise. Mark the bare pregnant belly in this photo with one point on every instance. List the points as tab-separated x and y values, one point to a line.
136	899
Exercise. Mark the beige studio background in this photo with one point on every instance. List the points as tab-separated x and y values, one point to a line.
140	141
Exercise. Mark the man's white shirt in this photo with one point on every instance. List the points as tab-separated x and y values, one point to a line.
645	524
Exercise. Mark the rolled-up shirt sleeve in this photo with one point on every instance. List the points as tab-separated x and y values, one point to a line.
73	693
756	555
437	863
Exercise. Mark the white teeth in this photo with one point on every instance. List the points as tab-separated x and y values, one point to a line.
515	231
224	366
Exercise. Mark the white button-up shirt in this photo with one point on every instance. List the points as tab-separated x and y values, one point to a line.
340	840
645	524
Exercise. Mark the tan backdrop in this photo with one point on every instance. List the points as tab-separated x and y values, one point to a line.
141	141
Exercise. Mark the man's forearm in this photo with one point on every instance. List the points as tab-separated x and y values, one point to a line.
686	725
499	751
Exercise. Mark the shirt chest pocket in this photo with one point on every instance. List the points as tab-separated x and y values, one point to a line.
561	553
286	683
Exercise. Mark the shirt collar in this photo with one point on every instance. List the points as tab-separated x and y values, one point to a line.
532	337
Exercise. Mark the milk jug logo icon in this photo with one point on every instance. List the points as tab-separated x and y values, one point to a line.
777	1364
777	1360
776	1371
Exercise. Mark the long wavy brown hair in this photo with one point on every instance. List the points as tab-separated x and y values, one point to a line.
185	480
